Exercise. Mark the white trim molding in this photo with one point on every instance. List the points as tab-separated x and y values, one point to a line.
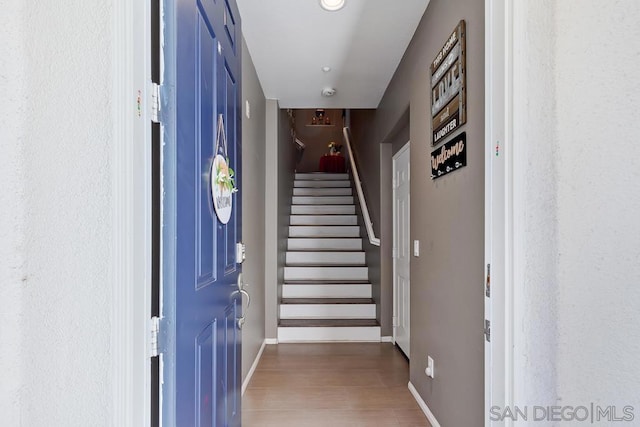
387	339
252	370
130	213
271	341
499	205
423	405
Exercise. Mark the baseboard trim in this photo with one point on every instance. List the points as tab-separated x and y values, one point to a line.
386	339
271	341
245	383
423	406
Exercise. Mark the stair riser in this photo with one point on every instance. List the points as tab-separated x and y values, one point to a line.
322	200
326	258
317	334
322	184
312	192
326	273
326	291
328	311
323	210
349	244
324	231
321	176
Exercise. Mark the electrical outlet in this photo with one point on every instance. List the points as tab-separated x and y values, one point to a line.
430	368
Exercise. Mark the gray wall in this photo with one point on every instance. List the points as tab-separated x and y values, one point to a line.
253	209
447	216
280	169
367	157
286	173
317	138
271	219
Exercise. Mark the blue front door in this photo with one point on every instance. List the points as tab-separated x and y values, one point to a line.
200	336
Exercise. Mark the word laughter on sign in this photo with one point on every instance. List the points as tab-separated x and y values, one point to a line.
448	93
449	157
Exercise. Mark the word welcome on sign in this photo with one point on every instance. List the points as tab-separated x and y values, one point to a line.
448	92
449	157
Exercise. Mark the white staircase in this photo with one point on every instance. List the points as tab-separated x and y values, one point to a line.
326	295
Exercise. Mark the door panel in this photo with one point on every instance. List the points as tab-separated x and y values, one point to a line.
401	232
201	302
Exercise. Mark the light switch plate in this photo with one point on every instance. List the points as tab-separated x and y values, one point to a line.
247	109
416	248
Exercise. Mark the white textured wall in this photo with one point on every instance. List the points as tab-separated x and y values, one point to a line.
576	120
598	174
11	210
55	213
535	182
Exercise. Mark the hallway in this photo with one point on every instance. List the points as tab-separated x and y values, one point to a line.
338	384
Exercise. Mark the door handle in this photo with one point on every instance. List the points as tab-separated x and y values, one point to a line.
246	294
243	293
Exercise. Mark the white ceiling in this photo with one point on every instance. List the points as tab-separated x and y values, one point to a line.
291	40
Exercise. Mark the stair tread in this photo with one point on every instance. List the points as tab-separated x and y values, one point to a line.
327	322
311	251
326	301
322	250
329	205
328	265
323	215
328	282
324	264
326	226
324	237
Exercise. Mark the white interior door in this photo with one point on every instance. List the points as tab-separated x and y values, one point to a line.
401	238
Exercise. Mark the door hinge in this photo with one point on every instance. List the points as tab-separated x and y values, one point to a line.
154	331
395	321
155	102
487	330
487	283
394	253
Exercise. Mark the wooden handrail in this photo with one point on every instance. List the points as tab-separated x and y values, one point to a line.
363	203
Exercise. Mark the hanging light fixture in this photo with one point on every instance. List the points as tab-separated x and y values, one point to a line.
332	5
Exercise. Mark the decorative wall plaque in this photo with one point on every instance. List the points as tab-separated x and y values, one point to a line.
448	91
222	177
451	156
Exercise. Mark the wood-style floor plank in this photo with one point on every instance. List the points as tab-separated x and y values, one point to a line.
331	384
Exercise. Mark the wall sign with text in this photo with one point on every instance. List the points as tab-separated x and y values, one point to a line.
448	91
451	156
222	177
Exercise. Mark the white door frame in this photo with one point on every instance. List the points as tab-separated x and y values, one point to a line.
131	215
499	206
401	151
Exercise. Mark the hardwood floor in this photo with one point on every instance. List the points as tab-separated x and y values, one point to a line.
337	385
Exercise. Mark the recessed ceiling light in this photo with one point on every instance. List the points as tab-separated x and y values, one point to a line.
332	5
326	69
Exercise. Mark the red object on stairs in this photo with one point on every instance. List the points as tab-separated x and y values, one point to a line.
334	164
